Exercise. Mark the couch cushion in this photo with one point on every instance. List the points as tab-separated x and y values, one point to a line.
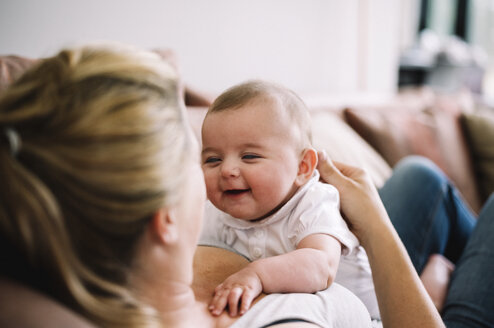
435	134
479	129
343	144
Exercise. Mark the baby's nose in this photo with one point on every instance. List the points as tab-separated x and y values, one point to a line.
230	169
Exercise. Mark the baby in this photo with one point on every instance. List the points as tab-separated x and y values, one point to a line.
260	173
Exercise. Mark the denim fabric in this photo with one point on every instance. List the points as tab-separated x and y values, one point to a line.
427	211
430	217
470	300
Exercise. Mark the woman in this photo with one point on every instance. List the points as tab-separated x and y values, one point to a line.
101	199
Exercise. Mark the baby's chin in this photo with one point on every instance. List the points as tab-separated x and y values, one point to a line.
249	217
246	214
243	217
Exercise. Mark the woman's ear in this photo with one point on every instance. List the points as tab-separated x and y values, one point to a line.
306	167
164	226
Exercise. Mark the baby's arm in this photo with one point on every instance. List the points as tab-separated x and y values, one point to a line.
310	268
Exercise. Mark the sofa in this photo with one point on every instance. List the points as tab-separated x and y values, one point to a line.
455	131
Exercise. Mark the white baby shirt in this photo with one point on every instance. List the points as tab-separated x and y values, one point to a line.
313	209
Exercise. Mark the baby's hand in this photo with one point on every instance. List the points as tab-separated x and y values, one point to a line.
238	290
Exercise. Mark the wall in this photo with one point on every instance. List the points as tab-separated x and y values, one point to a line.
316	47
481	34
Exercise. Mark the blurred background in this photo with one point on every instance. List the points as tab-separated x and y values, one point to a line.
319	48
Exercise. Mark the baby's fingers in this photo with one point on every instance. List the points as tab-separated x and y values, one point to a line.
233	298
247	298
218	303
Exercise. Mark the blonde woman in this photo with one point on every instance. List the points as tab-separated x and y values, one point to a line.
101	200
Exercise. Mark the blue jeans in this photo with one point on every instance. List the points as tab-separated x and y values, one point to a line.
431	217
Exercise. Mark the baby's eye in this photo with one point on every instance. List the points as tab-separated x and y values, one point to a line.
212	160
250	156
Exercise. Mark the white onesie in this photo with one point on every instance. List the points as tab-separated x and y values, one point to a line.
313	209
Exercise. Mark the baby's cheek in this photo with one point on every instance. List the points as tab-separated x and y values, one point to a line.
210	182
277	189
270	192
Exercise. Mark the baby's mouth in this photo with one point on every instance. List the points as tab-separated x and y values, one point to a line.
235	192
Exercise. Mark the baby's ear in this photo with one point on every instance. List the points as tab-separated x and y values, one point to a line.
306	167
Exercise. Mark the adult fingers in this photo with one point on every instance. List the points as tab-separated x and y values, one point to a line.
329	172
335	169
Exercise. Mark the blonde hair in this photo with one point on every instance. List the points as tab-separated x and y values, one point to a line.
103	140
246	92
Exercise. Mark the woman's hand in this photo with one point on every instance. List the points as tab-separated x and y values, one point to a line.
360	202
395	278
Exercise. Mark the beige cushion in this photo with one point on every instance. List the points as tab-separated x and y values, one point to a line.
343	144
479	128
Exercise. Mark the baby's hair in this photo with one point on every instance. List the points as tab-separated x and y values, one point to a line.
102	144
246	92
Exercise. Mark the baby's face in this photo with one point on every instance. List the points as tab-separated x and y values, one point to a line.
250	159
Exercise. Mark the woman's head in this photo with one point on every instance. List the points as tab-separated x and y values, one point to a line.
103	145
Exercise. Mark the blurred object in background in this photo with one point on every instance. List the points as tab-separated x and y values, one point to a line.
454	48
